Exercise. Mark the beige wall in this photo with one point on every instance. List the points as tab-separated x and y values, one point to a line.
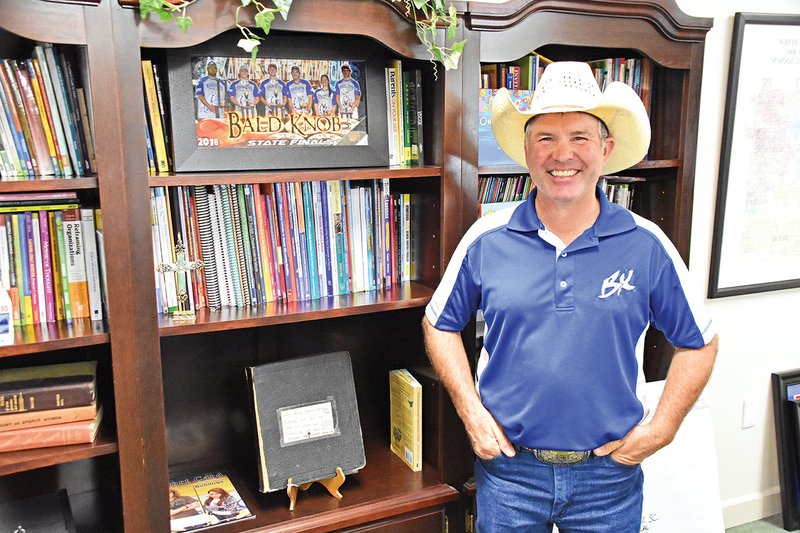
758	332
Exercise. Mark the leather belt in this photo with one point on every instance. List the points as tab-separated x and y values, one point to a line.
558	457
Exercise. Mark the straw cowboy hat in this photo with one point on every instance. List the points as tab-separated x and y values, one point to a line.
570	86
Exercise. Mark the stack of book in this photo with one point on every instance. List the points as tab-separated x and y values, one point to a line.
50	257
522	74
51	405
498	192
159	150
45	123
289	241
635	72
404	114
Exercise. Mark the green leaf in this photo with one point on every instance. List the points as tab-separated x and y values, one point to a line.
264	20
146	7
458	47
184	23
165	16
283	7
248	45
253	55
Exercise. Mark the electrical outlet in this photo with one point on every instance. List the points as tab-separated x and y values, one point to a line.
748	414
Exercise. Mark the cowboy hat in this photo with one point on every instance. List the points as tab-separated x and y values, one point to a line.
569	86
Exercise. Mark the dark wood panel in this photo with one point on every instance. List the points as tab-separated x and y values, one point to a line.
23	460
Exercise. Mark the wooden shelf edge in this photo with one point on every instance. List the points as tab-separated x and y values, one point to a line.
24	460
274	313
48	184
273	176
378	510
56	336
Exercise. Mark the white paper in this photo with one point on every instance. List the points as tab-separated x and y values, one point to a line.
307	422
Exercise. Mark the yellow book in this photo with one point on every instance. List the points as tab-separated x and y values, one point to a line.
405	413
159	146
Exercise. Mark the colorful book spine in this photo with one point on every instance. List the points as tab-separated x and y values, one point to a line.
64	112
58	217
34	119
207	245
49	88
158	138
80	432
282	208
46	121
47	387
405	414
325	228
76	263
21	120
298	233
92	264
275	242
32	419
47	267
262	230
310	236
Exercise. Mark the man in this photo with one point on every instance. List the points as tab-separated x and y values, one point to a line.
299	92
568	284
347	94
273	92
210	93
243	92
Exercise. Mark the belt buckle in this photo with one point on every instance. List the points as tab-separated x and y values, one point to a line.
561	458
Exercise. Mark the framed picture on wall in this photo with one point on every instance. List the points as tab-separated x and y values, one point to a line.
756	244
305	102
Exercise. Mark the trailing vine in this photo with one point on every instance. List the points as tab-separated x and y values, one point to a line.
428	16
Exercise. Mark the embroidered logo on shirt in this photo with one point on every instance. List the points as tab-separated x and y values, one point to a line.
616	283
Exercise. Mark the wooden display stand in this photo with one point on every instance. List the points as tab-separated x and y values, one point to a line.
330	483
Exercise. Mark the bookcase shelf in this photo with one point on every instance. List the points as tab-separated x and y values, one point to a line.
244	177
408	295
24	460
56	336
52	184
385	488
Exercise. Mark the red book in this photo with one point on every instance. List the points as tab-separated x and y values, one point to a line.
274	241
81	432
282	204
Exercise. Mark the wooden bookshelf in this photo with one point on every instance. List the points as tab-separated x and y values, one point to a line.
175	391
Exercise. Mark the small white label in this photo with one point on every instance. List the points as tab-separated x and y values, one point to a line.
307	422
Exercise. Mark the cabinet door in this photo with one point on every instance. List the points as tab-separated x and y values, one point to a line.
429	520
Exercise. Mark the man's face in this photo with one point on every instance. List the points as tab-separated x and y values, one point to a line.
295	74
565	156
272	70
346	73
244	73
212	70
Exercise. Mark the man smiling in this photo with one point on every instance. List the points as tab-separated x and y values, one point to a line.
568	284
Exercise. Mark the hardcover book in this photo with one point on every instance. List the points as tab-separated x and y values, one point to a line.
206	500
80	432
306	419
47	387
405	415
489	153
45	513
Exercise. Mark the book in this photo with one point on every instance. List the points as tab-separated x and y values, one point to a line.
30	419
64	111
40	388
405	417
92	262
489	153
200	501
45	513
79	432
76	263
306	419
158	139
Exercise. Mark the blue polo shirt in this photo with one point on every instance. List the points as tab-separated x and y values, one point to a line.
561	366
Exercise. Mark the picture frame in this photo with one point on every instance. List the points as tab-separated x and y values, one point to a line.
756	239
253	136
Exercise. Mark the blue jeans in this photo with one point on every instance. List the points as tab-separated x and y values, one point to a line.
520	494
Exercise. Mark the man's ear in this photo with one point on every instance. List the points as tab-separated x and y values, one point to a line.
608	147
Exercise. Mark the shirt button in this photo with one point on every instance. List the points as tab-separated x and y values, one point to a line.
563	284
563	254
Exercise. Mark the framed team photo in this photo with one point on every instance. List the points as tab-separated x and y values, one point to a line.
307	101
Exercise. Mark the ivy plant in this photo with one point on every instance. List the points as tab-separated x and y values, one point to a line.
428	15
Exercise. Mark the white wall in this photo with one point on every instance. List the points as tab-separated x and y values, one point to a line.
758	332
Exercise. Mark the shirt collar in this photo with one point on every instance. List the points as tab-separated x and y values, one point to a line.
612	219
